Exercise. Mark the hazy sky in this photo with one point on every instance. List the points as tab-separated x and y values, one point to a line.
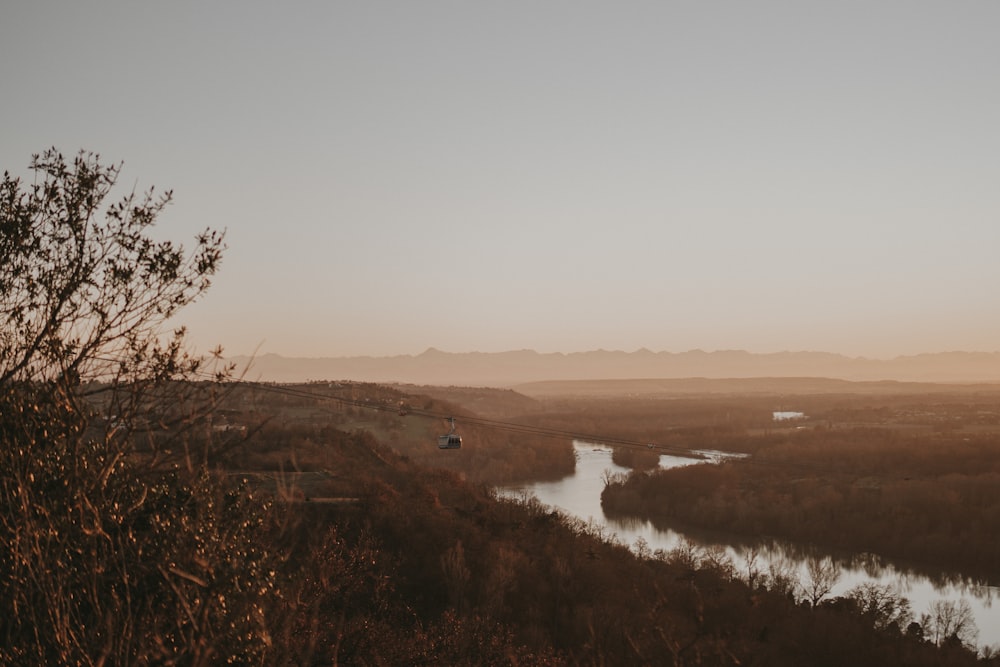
562	176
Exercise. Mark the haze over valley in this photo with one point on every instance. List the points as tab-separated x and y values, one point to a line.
313	315
505	369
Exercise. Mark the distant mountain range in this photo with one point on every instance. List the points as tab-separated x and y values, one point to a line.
506	369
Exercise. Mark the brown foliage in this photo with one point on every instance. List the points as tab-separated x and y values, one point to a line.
930	500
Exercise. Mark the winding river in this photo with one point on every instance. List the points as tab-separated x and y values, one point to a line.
579	495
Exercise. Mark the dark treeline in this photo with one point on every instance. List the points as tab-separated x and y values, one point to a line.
925	499
420	567
726	421
427	569
679	422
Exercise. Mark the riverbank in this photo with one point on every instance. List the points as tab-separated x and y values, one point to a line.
579	496
934	502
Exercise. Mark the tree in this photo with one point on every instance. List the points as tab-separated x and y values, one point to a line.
951	620
883	604
456	576
751	557
119	544
821	576
83	295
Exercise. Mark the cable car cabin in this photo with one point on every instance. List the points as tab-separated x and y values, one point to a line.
450	440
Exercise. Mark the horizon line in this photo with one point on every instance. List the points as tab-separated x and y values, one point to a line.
435	350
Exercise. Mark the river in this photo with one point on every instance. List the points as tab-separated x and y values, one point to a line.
579	495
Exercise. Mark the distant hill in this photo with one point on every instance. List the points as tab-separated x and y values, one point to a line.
507	369
791	386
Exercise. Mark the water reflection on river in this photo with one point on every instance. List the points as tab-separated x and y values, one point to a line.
580	496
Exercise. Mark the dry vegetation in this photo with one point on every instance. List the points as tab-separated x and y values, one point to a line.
476	559
913	479
307	414
417	566
154	511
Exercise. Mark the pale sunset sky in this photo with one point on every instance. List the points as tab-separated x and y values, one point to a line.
560	176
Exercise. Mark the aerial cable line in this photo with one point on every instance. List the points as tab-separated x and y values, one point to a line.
512	427
480	421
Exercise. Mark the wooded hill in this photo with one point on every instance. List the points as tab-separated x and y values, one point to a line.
470	579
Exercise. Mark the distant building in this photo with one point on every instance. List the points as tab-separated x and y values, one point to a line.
783	415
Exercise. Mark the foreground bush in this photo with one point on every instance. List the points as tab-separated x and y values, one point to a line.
119	545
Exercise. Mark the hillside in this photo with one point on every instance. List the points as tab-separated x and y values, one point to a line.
425	568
